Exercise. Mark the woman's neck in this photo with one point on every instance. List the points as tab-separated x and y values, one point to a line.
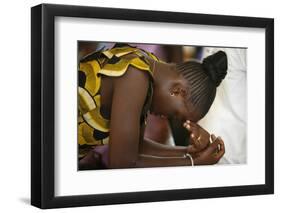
163	72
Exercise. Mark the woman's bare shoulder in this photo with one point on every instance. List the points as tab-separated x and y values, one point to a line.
133	79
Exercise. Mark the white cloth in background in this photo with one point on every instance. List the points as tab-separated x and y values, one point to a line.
227	116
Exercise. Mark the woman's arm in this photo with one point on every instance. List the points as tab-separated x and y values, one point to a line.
211	155
129	93
199	140
151	147
156	161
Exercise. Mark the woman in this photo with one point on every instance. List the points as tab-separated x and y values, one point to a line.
119	86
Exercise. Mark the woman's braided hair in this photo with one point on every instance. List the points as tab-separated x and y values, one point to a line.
203	79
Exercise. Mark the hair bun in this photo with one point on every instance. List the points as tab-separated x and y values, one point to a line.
216	66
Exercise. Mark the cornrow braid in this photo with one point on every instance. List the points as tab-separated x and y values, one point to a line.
203	79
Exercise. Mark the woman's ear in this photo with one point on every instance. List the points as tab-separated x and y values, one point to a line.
178	89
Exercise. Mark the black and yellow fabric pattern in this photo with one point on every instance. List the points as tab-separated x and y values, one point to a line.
93	128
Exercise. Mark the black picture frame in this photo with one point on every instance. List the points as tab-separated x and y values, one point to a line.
43	105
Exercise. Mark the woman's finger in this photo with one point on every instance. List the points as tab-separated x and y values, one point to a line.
213	137
221	151
196	139
214	146
192	124
188	126
193	131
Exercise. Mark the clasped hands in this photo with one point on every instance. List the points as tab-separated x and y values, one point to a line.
204	148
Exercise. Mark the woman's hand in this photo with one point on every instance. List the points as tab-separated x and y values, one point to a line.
212	154
199	137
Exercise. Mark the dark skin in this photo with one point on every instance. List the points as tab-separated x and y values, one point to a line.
204	148
122	99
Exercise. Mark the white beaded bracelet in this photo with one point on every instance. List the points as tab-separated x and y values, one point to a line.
187	155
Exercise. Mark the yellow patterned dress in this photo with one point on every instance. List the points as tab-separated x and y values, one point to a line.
93	128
